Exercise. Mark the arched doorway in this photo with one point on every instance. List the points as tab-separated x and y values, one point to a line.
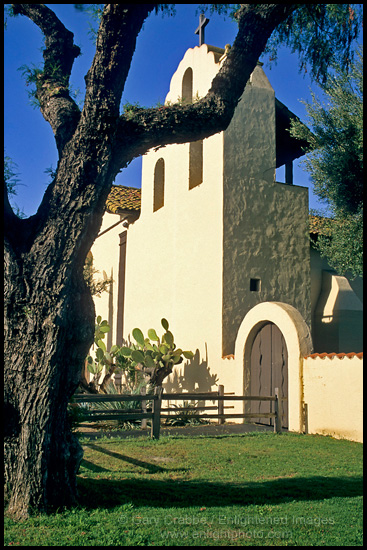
269	370
298	344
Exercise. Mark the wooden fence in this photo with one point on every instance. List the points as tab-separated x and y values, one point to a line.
157	412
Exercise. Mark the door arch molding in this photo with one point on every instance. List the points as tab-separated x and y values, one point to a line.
299	344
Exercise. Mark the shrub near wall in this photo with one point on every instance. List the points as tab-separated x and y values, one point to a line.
333	394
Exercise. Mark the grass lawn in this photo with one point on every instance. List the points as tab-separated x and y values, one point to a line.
260	489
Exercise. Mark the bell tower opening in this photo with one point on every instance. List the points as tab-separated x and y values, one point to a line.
187	86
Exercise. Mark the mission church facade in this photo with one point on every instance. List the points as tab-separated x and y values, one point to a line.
215	245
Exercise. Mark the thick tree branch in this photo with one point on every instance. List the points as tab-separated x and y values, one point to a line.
116	40
142	129
52	84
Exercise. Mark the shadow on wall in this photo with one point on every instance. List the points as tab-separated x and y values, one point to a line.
338	317
193	375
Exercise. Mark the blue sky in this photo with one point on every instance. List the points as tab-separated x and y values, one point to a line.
160	47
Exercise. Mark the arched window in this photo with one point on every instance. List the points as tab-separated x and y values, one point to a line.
158	198
187	86
196	163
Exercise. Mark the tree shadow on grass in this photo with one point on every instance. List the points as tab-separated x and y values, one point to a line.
151	468
96	493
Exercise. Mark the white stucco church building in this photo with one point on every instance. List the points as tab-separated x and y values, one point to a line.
216	245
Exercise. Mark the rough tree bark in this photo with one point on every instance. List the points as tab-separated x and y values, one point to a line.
49	313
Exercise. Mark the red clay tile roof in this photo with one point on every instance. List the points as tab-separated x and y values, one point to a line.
123	198
332	355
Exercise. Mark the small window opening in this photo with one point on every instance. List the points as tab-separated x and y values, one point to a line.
255	285
195	164
158	198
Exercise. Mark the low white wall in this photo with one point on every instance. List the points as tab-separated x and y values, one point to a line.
333	393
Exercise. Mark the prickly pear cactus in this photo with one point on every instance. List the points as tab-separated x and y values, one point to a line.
152	356
103	358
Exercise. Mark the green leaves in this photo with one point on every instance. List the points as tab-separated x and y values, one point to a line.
137	356
153	335
149	361
94	368
138	335
168	337
335	165
163	348
100	330
101	345
323	35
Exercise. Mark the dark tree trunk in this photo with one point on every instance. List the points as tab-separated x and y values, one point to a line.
49	321
49	313
49	339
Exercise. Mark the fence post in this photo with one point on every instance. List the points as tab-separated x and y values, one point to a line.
220	403
156	420
278	412
143	391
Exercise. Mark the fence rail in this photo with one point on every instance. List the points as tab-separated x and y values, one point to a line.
157	412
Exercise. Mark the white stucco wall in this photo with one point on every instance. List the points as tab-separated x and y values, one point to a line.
333	393
180	258
105	253
174	255
204	68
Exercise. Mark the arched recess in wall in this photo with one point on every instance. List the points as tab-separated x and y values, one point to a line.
298	342
158	197
195	163
187	86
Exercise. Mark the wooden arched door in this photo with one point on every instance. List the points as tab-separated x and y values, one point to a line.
269	370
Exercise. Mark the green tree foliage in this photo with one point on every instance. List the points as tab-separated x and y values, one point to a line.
335	164
321	34
10	175
96	286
